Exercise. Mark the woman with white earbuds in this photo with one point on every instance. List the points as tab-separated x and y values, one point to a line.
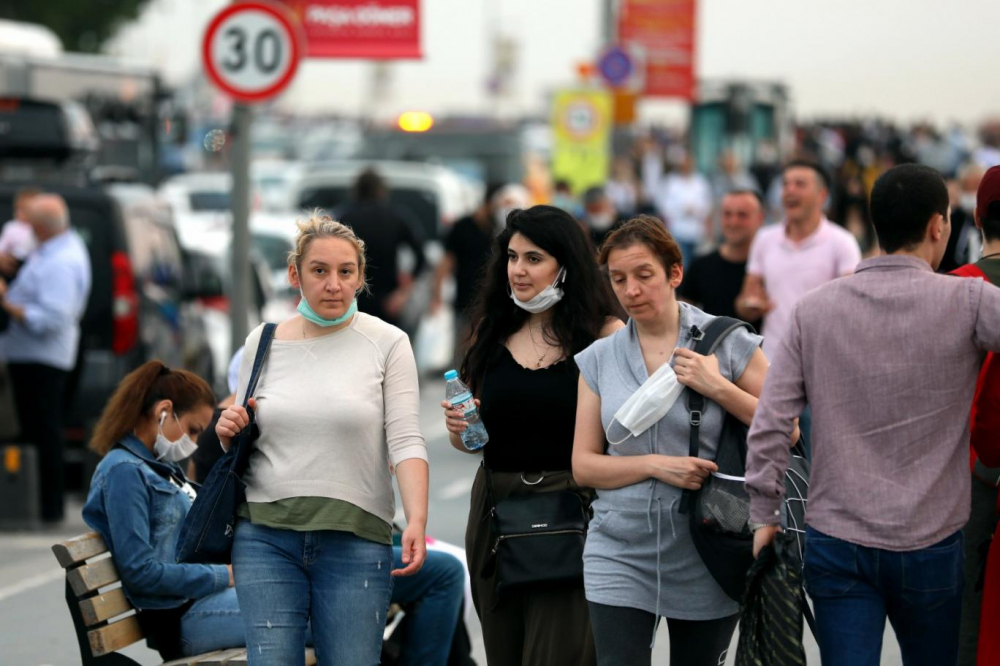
542	300
138	499
632	445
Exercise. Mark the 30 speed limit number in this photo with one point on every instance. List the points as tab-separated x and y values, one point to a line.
251	50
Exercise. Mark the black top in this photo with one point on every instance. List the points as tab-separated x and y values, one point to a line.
712	283
384	230
530	415
470	244
209	449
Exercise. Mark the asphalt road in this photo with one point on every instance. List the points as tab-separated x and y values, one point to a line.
35	626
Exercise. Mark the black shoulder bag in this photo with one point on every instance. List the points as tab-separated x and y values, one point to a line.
206	535
537	538
720	510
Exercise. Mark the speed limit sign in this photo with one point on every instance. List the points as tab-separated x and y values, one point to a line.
251	50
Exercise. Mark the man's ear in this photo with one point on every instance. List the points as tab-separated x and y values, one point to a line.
935	227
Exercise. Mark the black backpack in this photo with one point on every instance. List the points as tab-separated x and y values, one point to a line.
720	510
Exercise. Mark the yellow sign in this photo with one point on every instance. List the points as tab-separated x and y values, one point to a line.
581	123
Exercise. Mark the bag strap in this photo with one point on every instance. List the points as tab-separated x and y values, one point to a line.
266	337
706	342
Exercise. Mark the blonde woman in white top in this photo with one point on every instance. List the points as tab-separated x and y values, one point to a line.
336	403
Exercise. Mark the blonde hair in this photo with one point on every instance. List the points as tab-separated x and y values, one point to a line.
321	225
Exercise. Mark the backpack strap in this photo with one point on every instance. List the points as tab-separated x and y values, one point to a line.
706	342
266	336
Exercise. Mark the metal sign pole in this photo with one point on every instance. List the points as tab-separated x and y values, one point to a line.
239	300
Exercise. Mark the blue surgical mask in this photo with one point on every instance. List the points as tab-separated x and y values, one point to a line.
306	311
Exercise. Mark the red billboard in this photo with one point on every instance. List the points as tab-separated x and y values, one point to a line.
665	29
370	29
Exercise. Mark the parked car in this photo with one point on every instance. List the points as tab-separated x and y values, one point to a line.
139	307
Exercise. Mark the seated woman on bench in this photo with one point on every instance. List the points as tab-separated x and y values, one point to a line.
137	502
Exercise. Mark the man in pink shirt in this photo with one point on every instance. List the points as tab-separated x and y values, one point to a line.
790	259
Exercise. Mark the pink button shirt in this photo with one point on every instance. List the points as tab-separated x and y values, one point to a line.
791	269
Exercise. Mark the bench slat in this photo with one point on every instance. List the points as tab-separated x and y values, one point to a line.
79	549
226	658
92	576
242	660
104	607
199	660
115	636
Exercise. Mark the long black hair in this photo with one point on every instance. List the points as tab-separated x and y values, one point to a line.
576	320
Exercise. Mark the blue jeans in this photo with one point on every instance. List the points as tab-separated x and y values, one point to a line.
336	581
212	623
433	597
854	589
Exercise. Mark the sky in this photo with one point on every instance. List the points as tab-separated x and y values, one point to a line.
903	59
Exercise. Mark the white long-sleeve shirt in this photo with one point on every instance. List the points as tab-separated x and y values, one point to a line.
333	412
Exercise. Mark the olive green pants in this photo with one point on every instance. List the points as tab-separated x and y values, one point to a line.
543	627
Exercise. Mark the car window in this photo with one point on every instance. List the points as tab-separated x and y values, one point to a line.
153	249
273	249
209	200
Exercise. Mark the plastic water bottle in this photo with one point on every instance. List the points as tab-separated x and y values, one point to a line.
458	394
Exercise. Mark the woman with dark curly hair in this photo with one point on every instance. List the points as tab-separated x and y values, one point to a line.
542	300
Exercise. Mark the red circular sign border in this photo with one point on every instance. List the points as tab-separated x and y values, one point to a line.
277	11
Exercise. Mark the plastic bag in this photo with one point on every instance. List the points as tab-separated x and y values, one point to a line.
434	343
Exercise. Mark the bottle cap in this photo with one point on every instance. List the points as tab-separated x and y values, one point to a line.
451	374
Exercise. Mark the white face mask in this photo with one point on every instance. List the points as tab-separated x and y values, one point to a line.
172	451
544	299
602	221
649	403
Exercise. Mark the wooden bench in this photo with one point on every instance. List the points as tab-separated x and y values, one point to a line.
104	620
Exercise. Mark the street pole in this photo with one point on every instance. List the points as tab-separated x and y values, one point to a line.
239	299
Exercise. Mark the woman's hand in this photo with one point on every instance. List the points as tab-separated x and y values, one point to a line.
682	471
232	581
453	418
699	373
232	421
414	550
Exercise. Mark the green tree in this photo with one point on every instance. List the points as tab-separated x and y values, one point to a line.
82	25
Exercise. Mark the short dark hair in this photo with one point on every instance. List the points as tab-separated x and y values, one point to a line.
802	163
752	191
491	190
369	186
991	221
903	201
594	195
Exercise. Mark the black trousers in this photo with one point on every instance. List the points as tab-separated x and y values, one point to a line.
39	393
623	637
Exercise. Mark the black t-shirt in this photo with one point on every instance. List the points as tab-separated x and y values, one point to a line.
530	415
470	244
384	230
209	449
712	283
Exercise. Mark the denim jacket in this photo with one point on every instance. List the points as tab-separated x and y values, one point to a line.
138	511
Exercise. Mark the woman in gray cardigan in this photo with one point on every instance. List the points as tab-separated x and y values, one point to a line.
639	562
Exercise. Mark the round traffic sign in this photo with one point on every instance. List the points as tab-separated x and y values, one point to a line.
251	50
615	66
